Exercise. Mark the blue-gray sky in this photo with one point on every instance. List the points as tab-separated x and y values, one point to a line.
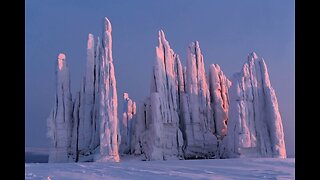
227	32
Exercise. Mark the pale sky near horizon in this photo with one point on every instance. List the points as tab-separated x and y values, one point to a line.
227	32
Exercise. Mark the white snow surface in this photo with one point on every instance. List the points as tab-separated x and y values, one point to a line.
245	168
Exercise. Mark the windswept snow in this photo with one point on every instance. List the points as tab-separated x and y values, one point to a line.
243	169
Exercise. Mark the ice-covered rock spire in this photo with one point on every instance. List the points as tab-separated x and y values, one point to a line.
198	122
127	131
60	119
85	126
109	135
185	115
87	101
95	140
255	125
164	138
219	87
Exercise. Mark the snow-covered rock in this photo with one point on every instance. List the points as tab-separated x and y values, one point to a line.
126	128
139	127
200	141
255	125
219	86
87	129
89	126
187	114
95	139
75	130
60	119
108	108
85	124
164	138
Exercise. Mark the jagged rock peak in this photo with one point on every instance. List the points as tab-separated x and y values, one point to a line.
219	86
107	25
59	121
61	61
255	128
109	141
198	119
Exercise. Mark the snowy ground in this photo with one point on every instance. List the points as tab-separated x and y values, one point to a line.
175	169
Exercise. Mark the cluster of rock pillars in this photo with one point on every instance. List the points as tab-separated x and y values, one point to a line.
189	114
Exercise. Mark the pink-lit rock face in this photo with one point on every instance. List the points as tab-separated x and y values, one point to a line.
89	130
108	108
125	96
61	59
90	43
219	93
163	139
255	125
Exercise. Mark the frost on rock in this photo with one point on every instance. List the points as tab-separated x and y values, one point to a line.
139	126
87	129
85	136
60	119
109	135
126	128
187	115
219	87
75	129
164	138
198	122
255	125
91	81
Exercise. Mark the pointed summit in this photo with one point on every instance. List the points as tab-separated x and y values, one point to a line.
62	56
162	36
198	122
255	125
107	25
164	138
61	61
60	119
219	86
109	134
253	55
